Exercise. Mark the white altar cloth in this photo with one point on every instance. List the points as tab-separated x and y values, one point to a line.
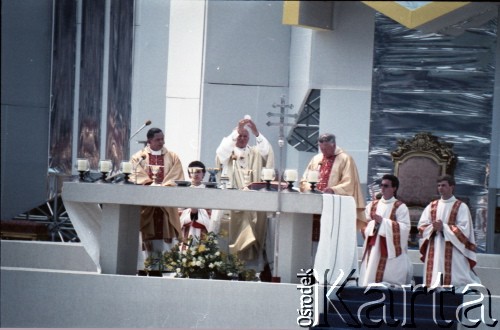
337	246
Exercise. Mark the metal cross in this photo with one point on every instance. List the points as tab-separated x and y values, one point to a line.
281	142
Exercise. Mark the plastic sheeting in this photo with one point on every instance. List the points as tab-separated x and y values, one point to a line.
439	84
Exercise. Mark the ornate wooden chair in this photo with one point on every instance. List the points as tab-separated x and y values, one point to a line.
418	162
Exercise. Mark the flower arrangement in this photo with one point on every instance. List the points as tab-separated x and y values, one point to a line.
200	257
154	262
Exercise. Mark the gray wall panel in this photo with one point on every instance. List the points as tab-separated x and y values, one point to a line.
26	44
342	58
149	76
247	44
26	49
24	159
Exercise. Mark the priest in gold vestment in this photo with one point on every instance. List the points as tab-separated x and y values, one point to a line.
156	165
338	174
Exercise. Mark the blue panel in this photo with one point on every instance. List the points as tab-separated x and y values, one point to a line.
440	84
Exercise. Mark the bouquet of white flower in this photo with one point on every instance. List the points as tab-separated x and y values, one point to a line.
200	257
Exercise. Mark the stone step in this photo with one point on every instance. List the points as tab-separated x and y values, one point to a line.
335	322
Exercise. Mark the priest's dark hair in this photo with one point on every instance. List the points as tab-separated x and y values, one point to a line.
448	178
326	137
394	181
152	131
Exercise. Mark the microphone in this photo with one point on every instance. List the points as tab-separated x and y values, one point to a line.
143	158
147	123
139	161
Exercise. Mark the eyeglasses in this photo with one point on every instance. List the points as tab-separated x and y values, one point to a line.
385	186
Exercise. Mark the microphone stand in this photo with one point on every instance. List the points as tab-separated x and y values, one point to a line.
147	123
139	163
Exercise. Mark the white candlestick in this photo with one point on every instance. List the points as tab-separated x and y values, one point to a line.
127	167
105	166
312	176
291	175
267	174
82	164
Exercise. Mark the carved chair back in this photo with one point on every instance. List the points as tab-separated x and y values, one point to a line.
418	162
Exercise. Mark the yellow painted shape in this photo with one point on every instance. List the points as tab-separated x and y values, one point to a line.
291	15
291	11
412	18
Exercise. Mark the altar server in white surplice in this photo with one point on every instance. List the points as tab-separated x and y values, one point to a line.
385	258
447	247
195	222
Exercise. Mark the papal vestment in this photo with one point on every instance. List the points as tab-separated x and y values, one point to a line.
449	255
247	229
385	257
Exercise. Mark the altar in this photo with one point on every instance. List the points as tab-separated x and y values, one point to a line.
106	218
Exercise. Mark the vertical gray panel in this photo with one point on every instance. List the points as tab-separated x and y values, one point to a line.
246	43
26	36
26	43
441	84
91	64
63	85
120	80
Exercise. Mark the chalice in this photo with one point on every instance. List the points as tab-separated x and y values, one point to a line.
154	170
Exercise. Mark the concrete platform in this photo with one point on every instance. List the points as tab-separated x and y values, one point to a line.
47	285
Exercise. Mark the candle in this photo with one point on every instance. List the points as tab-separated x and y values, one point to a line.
267	174
105	166
291	175
312	176
127	167
82	164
